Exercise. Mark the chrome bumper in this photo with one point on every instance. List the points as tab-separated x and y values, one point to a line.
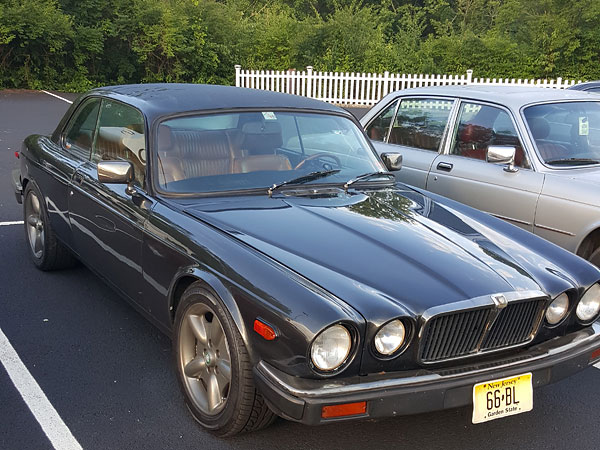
424	390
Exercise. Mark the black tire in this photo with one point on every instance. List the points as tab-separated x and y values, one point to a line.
46	251
240	408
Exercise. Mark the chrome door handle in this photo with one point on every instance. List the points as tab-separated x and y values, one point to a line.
446	167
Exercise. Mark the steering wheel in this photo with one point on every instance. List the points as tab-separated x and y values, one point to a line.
321	155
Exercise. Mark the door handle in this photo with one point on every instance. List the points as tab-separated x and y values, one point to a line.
77	178
446	167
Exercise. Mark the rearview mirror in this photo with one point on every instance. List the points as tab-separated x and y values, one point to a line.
502	154
393	161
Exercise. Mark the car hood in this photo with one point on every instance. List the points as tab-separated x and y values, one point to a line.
394	244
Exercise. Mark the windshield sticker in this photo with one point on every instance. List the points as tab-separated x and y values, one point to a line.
584	126
269	115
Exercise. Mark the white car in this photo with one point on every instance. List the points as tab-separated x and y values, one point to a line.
530	156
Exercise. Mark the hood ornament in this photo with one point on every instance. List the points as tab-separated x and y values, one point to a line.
500	301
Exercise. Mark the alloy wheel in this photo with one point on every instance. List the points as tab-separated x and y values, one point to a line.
204	359
35	225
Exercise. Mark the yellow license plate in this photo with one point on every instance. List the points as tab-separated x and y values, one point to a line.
502	398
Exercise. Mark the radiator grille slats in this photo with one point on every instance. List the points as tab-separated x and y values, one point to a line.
514	325
460	333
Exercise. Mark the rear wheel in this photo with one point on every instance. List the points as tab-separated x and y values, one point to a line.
46	251
213	367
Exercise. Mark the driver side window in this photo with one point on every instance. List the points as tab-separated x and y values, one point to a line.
120	137
481	126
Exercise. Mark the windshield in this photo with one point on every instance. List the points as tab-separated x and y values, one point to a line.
252	150
566	133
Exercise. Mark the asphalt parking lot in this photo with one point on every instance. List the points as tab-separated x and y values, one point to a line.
106	372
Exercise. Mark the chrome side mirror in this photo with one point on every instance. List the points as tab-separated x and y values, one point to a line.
393	161
116	172
502	154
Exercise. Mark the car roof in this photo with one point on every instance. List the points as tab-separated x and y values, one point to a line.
164	99
512	96
586	85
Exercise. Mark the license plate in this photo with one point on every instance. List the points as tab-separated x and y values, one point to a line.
502	398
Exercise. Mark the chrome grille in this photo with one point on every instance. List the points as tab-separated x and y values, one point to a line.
468	332
514	325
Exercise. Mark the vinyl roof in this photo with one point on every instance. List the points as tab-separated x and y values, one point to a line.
157	100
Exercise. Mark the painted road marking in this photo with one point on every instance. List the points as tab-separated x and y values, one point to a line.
55	429
14	222
57	96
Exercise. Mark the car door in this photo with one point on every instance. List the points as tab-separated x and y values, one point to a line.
414	127
108	222
59	162
463	174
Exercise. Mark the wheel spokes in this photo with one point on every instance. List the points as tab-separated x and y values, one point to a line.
198	326
213	392
196	367
224	367
35	204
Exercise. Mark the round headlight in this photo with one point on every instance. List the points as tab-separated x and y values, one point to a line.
390	337
589	305
557	309
331	348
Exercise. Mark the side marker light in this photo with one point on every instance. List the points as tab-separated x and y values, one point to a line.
346	409
264	330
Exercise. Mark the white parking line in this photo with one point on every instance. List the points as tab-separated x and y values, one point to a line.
57	96
56	430
14	222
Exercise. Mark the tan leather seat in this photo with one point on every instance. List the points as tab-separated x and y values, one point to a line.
261	162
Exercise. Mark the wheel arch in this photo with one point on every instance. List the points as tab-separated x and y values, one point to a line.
190	275
589	243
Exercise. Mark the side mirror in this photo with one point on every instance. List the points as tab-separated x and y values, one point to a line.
393	161
502	154
116	172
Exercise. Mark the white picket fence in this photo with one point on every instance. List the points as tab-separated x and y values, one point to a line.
365	89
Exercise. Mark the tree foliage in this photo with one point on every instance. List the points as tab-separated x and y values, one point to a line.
77	44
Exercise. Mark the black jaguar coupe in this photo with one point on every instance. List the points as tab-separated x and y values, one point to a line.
296	277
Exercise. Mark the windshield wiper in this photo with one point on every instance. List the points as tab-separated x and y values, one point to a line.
573	161
303	179
366	176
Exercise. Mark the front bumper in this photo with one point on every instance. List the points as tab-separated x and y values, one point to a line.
420	391
17	186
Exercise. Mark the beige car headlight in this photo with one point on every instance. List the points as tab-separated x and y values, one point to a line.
331	348
390	337
558	309
589	305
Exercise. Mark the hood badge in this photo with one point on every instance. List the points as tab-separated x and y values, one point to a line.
500	301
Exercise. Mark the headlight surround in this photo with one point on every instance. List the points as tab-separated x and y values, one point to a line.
589	305
558	309
331	348
390	337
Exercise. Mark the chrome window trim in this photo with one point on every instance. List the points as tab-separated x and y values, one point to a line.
484	301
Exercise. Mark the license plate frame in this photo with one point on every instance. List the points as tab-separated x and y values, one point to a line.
503	397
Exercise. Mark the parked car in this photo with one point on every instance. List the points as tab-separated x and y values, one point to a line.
589	86
296	278
530	156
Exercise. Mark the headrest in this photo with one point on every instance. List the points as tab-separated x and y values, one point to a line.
261	137
540	128
165	138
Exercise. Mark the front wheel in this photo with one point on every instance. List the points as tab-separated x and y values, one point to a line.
213	367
